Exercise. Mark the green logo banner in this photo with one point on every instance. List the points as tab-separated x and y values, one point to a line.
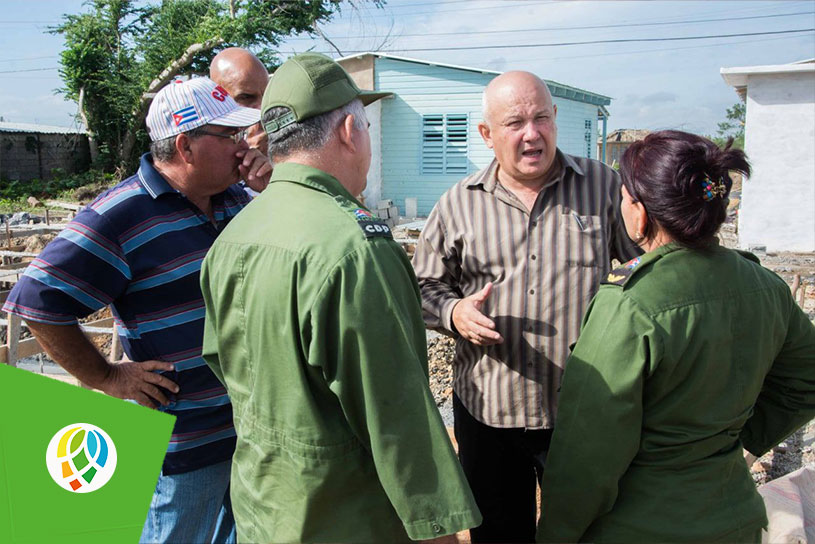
75	465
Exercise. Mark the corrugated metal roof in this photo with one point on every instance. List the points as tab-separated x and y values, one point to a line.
557	89
420	61
35	128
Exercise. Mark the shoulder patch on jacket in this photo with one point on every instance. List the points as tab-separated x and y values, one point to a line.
620	275
371	225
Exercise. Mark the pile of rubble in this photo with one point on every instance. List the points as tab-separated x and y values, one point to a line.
20	218
36	243
796	451
440	352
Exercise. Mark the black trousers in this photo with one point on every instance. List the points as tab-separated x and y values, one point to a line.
501	466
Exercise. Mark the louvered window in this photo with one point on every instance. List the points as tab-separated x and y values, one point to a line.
444	144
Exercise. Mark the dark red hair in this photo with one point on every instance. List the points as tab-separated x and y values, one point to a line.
667	172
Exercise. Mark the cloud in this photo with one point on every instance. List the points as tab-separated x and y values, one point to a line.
659	98
690	118
667	85
45	109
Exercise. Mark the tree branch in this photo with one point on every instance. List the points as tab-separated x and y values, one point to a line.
181	62
94	149
386	39
163	78
323	36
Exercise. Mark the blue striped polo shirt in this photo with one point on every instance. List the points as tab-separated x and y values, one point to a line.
138	247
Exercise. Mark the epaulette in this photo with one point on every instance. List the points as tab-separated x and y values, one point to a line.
371	225
620	275
749	256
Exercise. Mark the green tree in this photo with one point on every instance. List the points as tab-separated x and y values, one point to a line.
733	127
121	52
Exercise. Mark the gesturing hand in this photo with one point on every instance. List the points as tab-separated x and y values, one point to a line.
137	381
471	323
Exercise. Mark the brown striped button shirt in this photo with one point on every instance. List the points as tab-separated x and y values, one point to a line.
545	266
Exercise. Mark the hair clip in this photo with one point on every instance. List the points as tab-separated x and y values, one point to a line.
711	189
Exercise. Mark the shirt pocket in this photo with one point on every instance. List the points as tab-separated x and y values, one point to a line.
582	239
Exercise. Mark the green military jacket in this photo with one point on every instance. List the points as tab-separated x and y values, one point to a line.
683	358
314	325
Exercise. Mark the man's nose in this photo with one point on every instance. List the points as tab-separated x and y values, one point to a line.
531	131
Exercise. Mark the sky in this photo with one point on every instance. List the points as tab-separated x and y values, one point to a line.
655	84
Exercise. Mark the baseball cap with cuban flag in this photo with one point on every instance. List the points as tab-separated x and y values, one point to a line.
184	105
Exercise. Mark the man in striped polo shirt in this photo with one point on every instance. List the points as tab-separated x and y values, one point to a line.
138	248
525	241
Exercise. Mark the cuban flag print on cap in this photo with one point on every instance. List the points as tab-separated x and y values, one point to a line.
185	105
185	115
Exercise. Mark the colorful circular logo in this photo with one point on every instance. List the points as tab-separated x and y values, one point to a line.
81	457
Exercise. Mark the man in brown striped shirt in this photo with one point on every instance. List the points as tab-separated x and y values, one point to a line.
507	263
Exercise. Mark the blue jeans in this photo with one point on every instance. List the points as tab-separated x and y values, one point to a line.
192	507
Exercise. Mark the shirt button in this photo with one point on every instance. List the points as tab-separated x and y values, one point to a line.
534	257
436	528
531	291
533	224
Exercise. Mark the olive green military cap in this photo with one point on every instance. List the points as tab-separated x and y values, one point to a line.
310	84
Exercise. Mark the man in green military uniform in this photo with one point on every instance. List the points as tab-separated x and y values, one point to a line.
314	325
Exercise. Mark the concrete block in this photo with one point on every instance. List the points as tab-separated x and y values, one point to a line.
393	212
411	207
387	203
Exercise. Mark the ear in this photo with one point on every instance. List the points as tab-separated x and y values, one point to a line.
484	130
554	108
345	133
184	149
640	217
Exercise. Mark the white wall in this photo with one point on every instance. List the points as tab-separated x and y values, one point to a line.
778	201
373	191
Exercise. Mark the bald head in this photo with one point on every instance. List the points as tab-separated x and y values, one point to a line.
507	87
519	126
242	75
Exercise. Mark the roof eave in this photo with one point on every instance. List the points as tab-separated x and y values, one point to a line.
557	89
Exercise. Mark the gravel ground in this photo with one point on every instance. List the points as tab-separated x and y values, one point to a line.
440	352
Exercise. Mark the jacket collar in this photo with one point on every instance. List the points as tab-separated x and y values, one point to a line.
310	177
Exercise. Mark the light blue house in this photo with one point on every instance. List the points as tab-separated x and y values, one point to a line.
425	138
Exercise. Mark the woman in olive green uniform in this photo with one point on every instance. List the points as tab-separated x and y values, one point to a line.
686	355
